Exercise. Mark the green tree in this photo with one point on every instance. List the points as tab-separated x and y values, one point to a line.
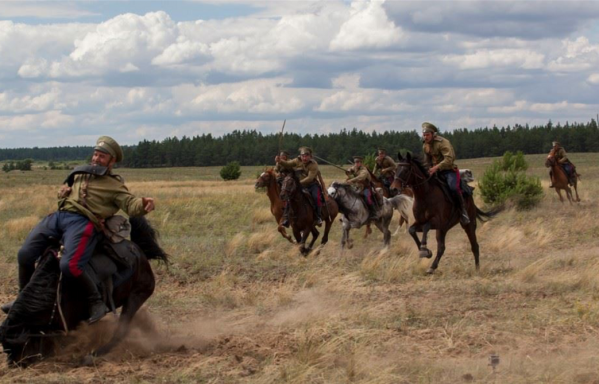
231	171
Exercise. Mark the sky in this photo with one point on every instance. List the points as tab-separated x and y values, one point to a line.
71	71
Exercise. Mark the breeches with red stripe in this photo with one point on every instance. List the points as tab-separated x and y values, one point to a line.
78	236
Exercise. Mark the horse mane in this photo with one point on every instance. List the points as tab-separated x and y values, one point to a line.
36	301
420	163
146	237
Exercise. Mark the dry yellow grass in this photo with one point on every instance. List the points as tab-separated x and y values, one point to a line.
241	305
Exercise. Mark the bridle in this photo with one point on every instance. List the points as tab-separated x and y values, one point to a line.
405	182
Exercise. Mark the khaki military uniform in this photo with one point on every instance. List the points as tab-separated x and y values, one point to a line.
386	166
361	178
309	170
99	197
560	156
440	152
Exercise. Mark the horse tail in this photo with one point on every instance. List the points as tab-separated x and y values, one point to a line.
146	237
486	216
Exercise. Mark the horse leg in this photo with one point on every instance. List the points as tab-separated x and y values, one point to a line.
327	227
412	231
140	292
440	251
283	233
305	233
470	230
576	190
383	226
424	251
368	230
559	193
315	235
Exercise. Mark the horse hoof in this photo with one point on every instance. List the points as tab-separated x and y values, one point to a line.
430	271
425	253
88	361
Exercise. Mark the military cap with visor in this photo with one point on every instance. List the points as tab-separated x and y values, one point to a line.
109	145
382	150
284	153
358	158
305	151
556	143
429	128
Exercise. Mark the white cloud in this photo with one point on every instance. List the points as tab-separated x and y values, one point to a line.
579	55
367	27
519	58
593	78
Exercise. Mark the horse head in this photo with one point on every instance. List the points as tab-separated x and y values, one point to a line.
333	190
410	171
264	178
289	186
550	162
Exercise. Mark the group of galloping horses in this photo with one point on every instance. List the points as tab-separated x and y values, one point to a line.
413	191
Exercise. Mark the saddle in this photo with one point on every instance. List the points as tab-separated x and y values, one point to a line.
113	264
466	189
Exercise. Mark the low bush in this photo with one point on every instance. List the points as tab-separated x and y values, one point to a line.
505	181
231	171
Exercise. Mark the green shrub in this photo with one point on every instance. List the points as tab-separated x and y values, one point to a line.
369	160
231	171
514	162
505	180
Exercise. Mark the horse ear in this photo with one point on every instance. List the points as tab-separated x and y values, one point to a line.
408	157
399	156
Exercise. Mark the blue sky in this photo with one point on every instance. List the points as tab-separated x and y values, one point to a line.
72	71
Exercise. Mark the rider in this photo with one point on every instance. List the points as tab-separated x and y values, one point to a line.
440	157
308	169
95	195
279	172
359	176
560	156
386	166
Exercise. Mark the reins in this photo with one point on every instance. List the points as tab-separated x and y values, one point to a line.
405	183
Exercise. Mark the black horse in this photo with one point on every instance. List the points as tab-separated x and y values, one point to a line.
48	306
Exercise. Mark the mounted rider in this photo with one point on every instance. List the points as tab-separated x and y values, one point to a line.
91	195
308	170
279	170
359	177
386	166
440	156
559	153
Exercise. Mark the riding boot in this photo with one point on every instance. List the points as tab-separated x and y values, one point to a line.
551	178
25	274
464	219
318	215
372	213
97	308
285	222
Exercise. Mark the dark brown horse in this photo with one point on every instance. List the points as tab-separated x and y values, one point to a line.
302	216
268	180
434	210
559	179
46	308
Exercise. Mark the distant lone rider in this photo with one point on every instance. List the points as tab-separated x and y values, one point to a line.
440	157
559	153
308	169
95	195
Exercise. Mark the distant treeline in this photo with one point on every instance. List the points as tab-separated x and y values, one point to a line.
255	148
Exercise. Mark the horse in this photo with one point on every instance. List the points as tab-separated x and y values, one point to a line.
268	180
48	306
301	213
559	179
433	209
356	214
378	183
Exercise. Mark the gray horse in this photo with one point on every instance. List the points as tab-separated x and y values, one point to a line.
355	213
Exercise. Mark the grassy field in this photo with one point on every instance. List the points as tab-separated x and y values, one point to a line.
240	305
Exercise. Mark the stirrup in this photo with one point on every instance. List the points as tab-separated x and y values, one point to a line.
97	311
464	219
319	221
285	223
